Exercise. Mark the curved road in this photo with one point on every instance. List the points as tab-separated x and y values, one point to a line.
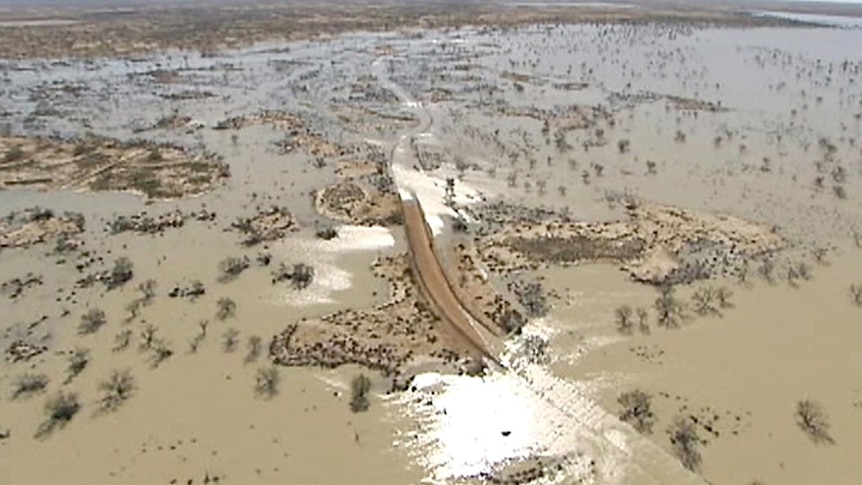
631	458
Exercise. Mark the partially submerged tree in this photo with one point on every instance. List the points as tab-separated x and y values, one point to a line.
91	321
232	267
29	384
704	301
78	361
226	308
685	442
60	410
359	389
254	349
267	382
856	294
122	272
637	410
643	320
122	340
624	321
669	311
148	291
813	421
161	352
116	390
230	338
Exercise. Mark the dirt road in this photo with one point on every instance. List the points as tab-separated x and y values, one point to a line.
433	283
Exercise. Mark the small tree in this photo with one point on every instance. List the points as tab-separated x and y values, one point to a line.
230	338
116	390
78	361
813	421
122	340
148	291
148	336
668	308
122	272
254	349
704	302
643	320
226	308
232	267
625	323
29	384
637	410
359	388
685	442
60	410
161	352
267	382
91	321
856	294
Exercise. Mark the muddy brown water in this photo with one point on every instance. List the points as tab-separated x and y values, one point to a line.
784	90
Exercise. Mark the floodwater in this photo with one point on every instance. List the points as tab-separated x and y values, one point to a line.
789	104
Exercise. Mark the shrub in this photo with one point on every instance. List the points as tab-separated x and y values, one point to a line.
91	321
637	410
359	388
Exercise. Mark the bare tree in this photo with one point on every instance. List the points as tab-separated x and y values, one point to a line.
359	389
230	338
78	361
161	352
669	311
685	442
122	340
29	384
267	382
226	308
148	291
637	410
856	294
60	410
148	336
625	323
643	320
813	421
122	272
91	321
116	390
704	302
254	349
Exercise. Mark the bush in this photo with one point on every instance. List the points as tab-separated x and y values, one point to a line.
625	323
685	442
267	382
232	267
359	388
813	421
91	321
78	361
637	410
29	384
122	272
116	390
226	308
60	410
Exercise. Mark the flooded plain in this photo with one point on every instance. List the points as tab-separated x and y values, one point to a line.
546	126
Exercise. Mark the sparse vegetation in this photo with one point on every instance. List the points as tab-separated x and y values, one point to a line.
122	272
29	384
813	421
91	321
116	390
685	442
79	359
359	389
60	410
267	381
230	339
637	410
226	308
624	320
669	311
231	268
